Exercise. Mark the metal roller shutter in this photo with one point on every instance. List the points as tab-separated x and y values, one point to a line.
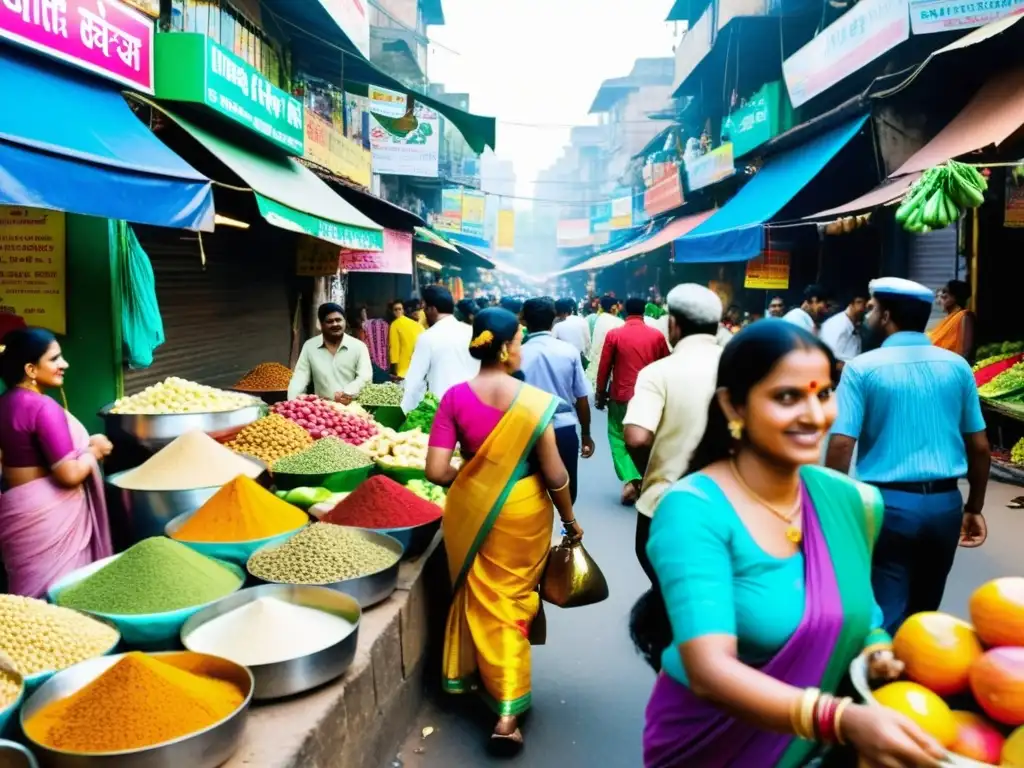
220	321
933	262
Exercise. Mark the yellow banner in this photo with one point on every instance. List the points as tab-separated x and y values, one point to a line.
474	208
769	272
33	274
329	149
316	258
506	230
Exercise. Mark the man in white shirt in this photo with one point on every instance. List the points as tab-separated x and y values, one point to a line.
607	320
441	358
841	331
571	328
809	314
338	365
667	416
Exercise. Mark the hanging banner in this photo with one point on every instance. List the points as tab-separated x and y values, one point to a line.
450	217
413	154
622	211
33	273
769	272
665	193
396	258
574	233
711	168
506	230
315	257
928	16
601	216
329	149
385	102
474	212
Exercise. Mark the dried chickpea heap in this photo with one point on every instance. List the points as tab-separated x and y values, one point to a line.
39	637
10	687
271	438
266	377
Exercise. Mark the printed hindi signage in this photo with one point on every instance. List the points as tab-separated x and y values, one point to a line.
105	37
193	68
711	168
769	272
329	149
315	257
450	218
352	18
868	30
412	154
666	191
574	233
928	16
763	117
622	211
395	259
474	212
385	102
506	230
32	266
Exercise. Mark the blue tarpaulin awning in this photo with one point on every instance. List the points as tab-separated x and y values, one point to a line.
736	231
70	142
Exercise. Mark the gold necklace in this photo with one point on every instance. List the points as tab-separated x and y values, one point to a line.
793	533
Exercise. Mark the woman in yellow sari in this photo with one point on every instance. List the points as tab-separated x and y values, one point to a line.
497	520
956	331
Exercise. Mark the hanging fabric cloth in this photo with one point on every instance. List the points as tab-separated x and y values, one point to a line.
142	327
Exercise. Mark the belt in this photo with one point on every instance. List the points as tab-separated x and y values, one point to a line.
925	488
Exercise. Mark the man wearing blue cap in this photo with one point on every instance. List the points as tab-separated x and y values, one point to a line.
913	411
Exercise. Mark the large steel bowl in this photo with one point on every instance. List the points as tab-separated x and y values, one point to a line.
368	590
154	431
291	676
208	748
16	756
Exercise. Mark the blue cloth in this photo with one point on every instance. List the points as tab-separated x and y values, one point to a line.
736	231
555	366
908	404
914	554
70	142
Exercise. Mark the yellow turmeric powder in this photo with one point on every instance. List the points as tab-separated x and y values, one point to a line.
141	701
241	511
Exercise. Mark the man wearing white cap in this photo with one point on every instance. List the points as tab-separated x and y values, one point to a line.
912	409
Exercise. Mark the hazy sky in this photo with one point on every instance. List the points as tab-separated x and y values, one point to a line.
541	62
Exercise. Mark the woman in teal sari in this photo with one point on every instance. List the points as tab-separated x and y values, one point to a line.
763	595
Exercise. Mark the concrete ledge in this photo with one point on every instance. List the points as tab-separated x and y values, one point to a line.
355	722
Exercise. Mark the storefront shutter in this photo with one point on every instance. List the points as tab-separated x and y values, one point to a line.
933	262
221	320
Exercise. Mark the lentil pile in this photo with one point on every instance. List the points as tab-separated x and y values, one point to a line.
380	502
241	511
194	460
323	457
39	637
271	438
321	554
266	377
375	395
154	576
141	701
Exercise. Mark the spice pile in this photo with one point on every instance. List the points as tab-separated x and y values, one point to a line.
176	395
154	576
422	416
321	554
322	458
268	631
241	511
141	701
194	460
271	438
266	377
382	503
377	395
10	689
39	637
320	419
398	449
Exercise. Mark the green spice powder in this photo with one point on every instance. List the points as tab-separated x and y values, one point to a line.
154	576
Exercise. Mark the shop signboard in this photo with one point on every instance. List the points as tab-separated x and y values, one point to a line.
191	67
474	213
506	230
413	154
315	258
329	149
928	16
665	193
601	216
574	233
768	272
622	210
868	30
105	37
450	217
711	168
1013	208
395	259
33	274
762	118
385	102
352	18
148	7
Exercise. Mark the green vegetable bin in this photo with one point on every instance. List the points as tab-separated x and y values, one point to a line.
401	475
338	482
387	415
231	551
149	631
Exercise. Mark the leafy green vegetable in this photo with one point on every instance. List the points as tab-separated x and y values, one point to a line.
1009	382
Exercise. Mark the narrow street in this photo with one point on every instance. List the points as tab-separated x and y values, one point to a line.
590	687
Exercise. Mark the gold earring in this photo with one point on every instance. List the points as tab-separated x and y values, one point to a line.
503	357
736	429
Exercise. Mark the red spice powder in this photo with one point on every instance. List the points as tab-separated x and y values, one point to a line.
380	502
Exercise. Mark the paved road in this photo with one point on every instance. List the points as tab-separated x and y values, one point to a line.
590	688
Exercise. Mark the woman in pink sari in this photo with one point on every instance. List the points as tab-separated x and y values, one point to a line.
53	518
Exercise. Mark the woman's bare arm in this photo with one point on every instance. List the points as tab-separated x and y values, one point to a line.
439	466
555	474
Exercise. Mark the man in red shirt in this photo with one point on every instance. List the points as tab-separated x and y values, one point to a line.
627	351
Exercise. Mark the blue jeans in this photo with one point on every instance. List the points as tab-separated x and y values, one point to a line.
914	554
568	443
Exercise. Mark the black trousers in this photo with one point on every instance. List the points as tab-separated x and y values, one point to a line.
643	532
569	449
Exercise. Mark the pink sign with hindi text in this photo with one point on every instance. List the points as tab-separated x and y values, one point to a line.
105	37
396	258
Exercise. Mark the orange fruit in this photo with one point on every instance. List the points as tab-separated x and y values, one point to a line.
997	611
938	651
923	707
997	682
977	738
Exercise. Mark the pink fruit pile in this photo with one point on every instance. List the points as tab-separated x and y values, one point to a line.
321	419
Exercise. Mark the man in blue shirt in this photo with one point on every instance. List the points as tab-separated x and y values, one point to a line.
913	411
555	366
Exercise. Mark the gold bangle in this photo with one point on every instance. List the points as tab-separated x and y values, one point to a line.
560	488
837	721
803	714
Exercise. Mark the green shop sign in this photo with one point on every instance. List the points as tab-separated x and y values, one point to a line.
191	67
767	114
345	235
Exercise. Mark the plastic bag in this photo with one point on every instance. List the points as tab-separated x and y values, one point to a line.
142	327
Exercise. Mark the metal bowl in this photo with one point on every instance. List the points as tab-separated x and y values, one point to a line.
232	551
369	589
286	678
208	748
338	482
16	756
268	396
154	431
415	538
